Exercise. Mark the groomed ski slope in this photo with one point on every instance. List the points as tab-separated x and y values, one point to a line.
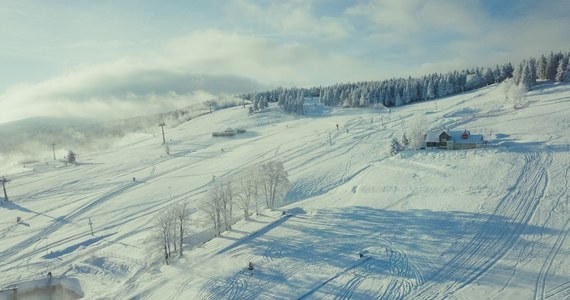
431	224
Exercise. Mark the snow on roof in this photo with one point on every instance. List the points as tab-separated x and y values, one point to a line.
433	136
471	138
456	136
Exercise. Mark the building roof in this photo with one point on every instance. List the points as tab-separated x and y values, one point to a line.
433	136
457	138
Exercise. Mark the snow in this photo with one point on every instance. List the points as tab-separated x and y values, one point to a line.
483	223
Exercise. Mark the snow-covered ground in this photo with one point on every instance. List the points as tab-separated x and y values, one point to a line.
431	224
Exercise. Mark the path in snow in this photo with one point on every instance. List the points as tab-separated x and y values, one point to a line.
508	222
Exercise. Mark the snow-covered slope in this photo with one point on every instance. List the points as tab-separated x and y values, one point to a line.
431	224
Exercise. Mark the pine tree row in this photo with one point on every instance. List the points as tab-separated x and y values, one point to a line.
402	91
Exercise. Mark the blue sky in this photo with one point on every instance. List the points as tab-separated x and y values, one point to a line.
106	58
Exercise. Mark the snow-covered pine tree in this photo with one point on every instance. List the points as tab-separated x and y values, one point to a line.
430	90
532	68
527	79
497	74
562	66
473	81
398	101
394	147
541	67
506	71
71	157
517	73
488	76
551	65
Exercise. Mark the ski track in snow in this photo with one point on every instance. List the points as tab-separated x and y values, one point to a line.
313	257
540	290
9	255
510	218
560	292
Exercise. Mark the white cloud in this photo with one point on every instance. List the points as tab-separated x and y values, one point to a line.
439	35
209	62
399	21
294	18
246	45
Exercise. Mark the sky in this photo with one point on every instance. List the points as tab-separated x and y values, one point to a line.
116	59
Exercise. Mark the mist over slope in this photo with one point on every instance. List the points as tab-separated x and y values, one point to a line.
483	223
31	140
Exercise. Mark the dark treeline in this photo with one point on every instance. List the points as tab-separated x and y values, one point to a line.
402	91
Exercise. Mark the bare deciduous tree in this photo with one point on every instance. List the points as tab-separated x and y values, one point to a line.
165	225
227	203
213	207
274	182
248	191
172	223
180	212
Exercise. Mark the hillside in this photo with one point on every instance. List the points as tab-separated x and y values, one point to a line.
485	223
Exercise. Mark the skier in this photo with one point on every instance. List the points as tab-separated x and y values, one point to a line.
250	268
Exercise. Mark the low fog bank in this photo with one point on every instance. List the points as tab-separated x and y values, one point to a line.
30	140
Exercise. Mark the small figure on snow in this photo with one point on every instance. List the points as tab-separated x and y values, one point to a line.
250	268
360	254
49	274
134	179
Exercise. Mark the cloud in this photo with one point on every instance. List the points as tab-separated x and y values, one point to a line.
294	19
439	35
127	66
415	17
202	64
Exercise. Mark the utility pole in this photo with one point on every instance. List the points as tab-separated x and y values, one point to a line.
162	126
91	226
4	180
53	149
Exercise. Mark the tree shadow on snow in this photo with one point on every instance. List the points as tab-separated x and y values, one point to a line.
72	248
418	246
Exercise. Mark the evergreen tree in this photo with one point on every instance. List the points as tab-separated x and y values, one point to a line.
562	66
71	157
507	71
430	90
394	147
527	79
551	65
488	76
517	73
532	69
497	75
541	67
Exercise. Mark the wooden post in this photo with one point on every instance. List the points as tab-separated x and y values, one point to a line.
162	127
4	180
53	149
91	226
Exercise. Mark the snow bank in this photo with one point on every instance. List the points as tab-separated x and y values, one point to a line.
50	288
